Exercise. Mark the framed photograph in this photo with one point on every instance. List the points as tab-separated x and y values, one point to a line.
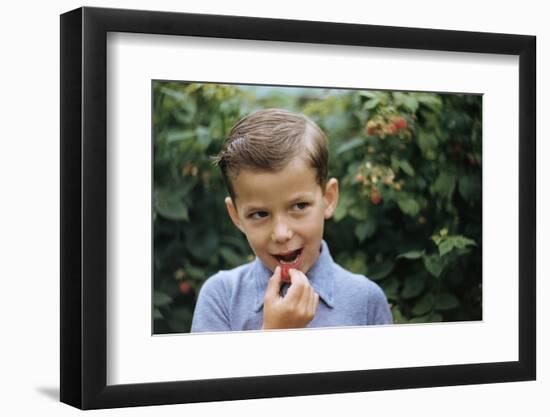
173	222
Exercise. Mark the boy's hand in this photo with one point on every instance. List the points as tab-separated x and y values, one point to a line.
296	309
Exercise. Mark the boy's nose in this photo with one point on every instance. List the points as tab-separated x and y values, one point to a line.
281	232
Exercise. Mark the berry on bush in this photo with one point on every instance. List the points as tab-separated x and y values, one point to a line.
185	287
375	196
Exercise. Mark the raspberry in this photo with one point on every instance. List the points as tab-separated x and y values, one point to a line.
375	196
400	123
285	276
185	287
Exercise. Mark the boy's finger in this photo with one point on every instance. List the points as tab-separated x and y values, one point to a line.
298	285
297	276
274	284
307	296
314	303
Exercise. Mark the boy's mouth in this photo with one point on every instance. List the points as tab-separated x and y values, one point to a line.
292	258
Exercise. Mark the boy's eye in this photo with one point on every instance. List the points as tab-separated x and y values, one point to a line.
301	206
258	215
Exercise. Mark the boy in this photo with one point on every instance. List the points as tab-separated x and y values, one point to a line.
275	166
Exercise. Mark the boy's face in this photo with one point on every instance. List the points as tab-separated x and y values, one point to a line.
282	214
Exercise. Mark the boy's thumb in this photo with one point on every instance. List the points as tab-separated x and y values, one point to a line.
274	283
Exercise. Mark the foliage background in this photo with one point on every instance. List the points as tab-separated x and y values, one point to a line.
409	216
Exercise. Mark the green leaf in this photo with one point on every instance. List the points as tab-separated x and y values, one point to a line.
178	96
365	229
408	206
427	142
160	299
398	317
430	100
173	210
345	201
230	256
356	263
187	187
204	137
378	271
157	315
368	94
394	163
371	104
179	135
421	319
169	287
391	288
170	205
202	244
182	313
436	318
406	100
461	241
445	184
446	246
194	272
446	301
340	212
169	202
235	241
413	286
185	115
448	243
427	318
406	168
434	264
424	305
469	187
350	144
180	320
358	212
411	104
414	254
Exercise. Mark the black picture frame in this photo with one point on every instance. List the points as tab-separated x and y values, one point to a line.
83	312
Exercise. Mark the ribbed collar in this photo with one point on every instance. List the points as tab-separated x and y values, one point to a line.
320	275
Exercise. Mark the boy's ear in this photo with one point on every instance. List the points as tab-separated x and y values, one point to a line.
232	210
331	197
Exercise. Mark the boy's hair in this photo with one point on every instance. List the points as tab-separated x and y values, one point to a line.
268	140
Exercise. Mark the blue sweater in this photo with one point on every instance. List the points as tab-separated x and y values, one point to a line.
233	300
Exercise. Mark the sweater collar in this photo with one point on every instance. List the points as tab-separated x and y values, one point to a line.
320	275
